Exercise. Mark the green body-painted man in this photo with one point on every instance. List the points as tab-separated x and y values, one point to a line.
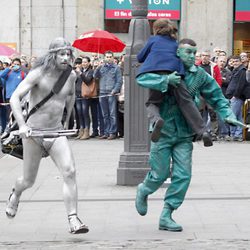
176	138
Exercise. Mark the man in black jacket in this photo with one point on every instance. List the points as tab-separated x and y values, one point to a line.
226	75
248	73
238	91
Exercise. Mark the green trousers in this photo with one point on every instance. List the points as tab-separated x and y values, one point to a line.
161	154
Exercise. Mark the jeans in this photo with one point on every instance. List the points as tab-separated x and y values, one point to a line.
236	105
80	111
210	118
94	114
85	110
223	127
3	118
92	104
100	119
76	117
109	112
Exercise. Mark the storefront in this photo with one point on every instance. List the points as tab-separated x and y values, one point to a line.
213	23
118	13
241	26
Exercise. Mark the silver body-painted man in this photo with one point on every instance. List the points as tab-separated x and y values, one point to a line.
38	84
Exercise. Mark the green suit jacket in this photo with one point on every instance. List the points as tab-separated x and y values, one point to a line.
198	82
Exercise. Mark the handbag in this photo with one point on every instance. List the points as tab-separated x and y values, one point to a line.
89	91
11	142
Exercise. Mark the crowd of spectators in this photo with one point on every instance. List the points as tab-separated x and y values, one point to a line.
102	115
232	74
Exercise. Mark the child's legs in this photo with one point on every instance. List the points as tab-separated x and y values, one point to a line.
155	97
152	105
189	109
154	101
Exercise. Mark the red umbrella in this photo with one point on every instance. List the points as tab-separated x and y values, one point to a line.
98	41
6	51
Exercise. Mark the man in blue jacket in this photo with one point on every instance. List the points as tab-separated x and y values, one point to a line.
11	77
110	84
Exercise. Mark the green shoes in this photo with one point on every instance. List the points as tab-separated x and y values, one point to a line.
141	201
166	221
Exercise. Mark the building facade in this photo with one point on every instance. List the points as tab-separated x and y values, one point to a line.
30	25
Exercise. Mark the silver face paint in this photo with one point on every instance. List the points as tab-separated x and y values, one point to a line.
63	58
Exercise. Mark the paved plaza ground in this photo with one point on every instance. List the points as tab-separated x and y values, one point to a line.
215	214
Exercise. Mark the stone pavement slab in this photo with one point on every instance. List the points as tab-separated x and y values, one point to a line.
215	214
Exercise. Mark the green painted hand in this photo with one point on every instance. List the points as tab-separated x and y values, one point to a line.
174	79
234	122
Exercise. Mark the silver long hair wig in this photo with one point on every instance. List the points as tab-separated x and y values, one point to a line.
48	61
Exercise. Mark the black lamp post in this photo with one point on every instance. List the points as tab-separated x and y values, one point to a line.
133	163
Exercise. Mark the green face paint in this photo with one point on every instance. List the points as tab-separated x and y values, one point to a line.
187	53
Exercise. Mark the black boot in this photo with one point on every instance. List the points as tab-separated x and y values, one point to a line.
207	140
156	133
156	121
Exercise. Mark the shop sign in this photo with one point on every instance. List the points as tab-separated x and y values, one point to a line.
121	9
242	10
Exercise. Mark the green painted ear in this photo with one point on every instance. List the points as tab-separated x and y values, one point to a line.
178	52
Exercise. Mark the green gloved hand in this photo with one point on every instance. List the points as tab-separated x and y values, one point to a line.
234	122
174	79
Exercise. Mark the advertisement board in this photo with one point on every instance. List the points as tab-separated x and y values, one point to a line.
121	9
242	10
